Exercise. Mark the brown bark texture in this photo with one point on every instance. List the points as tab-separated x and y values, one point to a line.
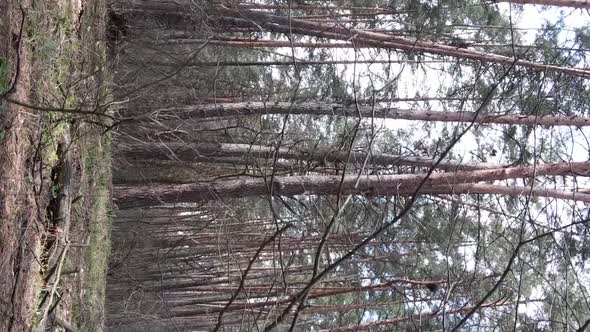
370	185
210	151
365	111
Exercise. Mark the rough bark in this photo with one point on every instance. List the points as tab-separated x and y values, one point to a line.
252	108
211	151
373	185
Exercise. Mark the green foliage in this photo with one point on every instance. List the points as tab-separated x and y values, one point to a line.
4	75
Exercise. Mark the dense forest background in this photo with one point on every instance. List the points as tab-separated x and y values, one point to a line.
346	165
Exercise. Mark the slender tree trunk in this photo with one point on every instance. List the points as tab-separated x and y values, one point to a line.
329	8
280	63
582	4
260	43
379	324
373	185
246	153
283	24
248	43
486	188
255	108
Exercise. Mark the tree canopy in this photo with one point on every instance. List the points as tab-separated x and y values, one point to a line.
350	165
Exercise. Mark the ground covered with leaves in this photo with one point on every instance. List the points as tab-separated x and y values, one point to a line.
55	164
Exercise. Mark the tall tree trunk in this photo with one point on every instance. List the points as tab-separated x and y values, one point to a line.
379	324
260	43
252	108
249	43
486	188
283	24
582	4
373	185
158	62
322	7
210	151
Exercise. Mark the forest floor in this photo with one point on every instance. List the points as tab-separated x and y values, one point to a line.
55	186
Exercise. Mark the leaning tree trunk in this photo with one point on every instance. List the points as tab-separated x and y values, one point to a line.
395	321
371	185
284	24
365	111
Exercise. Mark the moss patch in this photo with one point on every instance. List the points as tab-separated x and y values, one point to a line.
4	79
4	82
88	314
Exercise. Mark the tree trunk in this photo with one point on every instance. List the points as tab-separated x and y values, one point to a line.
379	324
252	108
373	185
486	188
170	63
248	43
582	4
259	43
246	153
283	24
323	7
